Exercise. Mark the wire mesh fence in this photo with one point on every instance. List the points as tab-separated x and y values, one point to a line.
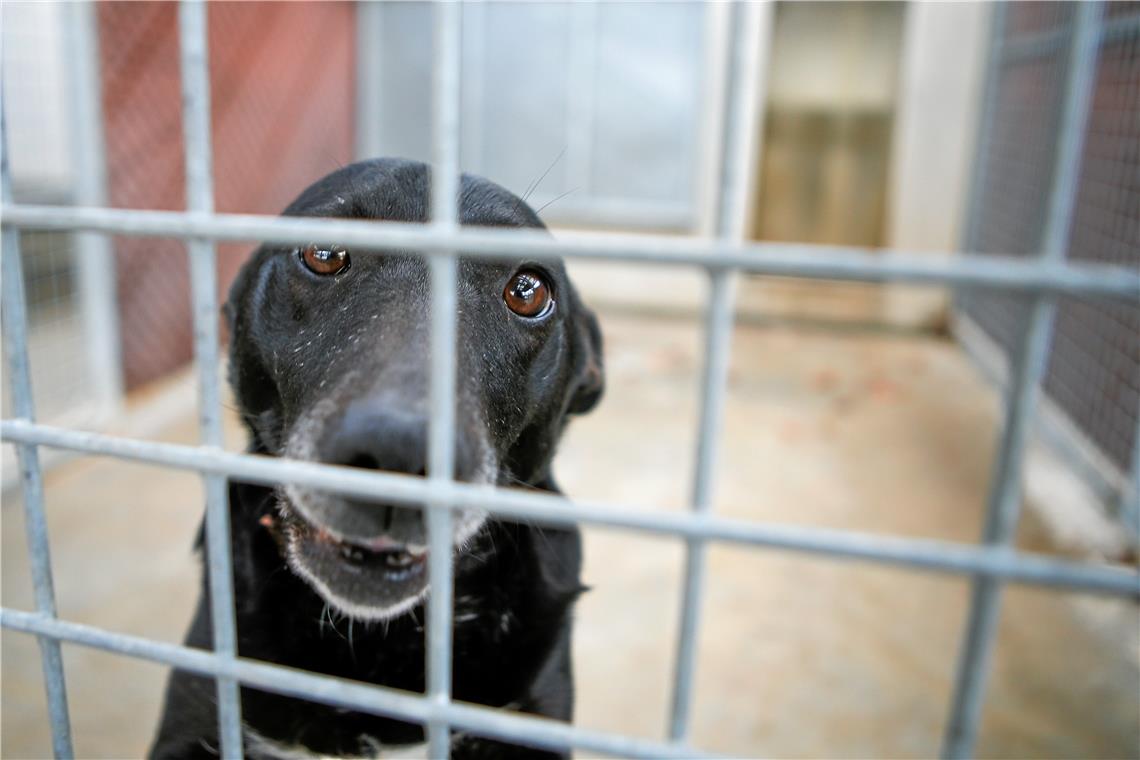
53	315
1093	376
1041	281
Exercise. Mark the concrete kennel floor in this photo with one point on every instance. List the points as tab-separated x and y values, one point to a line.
799	656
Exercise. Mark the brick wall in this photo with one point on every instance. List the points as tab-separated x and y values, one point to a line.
282	89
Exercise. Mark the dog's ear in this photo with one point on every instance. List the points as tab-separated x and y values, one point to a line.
588	380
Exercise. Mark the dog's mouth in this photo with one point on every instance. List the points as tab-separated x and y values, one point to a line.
365	578
376	578
397	562
367	559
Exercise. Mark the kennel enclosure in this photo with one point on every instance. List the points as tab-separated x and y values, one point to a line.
1042	277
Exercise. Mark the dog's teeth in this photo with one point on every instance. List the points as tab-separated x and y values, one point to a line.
416	550
351	553
398	560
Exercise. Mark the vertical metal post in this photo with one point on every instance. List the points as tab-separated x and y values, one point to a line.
718	335
193	31
31	476
1129	510
1028	367
971	223
369	119
1003	509
717	52
441	447
736	167
968	237
94	257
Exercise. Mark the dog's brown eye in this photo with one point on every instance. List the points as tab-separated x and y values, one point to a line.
527	295
324	260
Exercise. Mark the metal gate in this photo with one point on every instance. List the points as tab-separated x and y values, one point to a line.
1042	280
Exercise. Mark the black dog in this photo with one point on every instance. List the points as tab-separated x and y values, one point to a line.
329	363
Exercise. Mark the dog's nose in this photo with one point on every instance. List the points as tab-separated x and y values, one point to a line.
376	438
381	436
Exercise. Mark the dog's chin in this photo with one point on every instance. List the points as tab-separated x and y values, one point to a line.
359	581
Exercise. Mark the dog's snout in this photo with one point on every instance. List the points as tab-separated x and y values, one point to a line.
376	438
380	435
383	436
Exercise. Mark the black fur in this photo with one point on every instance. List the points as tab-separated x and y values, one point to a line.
356	343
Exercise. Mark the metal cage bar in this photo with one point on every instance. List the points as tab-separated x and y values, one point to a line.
1004	504
719	315
379	700
968	235
1129	509
95	255
31	476
718	335
441	450
192	24
550	509
992	564
777	259
979	174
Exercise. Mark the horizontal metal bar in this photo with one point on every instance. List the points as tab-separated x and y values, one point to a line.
780	259
379	700
924	554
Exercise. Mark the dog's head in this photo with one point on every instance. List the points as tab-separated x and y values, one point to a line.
329	360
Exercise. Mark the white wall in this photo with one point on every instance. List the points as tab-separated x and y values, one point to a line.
941	71
607	95
835	56
943	63
36	85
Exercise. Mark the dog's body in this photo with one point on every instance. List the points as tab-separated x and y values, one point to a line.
328	362
512	646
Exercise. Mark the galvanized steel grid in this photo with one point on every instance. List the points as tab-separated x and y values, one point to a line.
991	564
